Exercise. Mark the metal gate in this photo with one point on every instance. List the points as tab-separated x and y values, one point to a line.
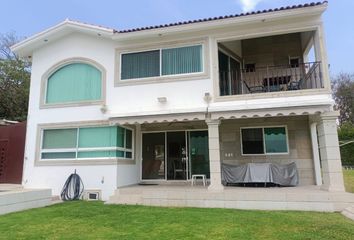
12	146
3	159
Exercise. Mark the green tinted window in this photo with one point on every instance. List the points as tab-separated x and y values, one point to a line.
140	65
97	137
59	138
182	60
93	142
275	140
74	83
58	155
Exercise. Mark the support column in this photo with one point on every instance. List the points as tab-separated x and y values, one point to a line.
214	155
138	149
330	154
316	154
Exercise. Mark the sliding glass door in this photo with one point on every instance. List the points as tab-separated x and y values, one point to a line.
153	162
199	153
175	155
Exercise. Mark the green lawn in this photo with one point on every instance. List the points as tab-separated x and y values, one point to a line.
349	180
94	220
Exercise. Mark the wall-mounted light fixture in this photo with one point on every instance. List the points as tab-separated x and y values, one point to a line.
104	109
207	97
162	99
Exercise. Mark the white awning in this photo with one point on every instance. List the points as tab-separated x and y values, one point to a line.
270	112
157	118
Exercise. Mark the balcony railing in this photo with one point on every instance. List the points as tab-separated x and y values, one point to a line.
271	79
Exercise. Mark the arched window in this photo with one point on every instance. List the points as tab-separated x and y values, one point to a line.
74	82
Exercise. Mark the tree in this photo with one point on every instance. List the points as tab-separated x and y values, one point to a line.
343	91
14	80
346	137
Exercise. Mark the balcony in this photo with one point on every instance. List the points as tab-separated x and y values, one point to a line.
277	63
253	80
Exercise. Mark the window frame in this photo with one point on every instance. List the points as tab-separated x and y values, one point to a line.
264	142
294	58
160	63
249	69
45	77
77	149
136	48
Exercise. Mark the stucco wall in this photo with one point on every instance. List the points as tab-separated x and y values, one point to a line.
272	51
300	150
181	96
120	100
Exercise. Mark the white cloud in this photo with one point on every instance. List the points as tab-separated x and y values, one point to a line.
249	5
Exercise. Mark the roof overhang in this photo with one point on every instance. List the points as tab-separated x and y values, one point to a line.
27	46
316	10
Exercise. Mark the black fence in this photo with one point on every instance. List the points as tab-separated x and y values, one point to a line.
271	79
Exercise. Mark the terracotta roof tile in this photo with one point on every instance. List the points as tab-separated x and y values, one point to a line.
223	17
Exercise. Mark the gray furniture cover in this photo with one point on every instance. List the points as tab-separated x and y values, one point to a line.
284	175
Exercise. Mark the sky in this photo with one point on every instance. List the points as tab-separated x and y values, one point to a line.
26	18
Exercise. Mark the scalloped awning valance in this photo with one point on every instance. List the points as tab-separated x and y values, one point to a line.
220	115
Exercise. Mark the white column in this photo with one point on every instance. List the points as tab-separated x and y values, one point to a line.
214	155
330	154
138	148
316	154
321	55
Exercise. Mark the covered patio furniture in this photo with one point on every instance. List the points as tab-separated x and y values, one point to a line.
283	175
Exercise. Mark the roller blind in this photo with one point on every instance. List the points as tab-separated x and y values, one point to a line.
97	137
129	139
182	60
275	140
74	83
58	155
59	138
140	65
92	142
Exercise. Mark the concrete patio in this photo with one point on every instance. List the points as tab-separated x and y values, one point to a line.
303	198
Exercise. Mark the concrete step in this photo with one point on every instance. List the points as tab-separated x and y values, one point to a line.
126	196
349	212
18	200
56	199
129	191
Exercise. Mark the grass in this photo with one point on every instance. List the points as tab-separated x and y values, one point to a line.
94	220
349	180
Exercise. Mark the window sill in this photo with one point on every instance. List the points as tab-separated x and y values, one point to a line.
113	161
71	104
162	79
265	154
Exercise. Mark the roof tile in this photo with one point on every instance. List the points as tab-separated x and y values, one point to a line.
216	18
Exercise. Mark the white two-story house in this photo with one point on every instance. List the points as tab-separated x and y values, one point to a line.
160	104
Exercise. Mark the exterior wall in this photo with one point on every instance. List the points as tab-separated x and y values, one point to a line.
120	100
272	51
300	150
94	177
53	177
132	100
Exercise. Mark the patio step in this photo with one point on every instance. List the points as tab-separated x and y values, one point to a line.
56	199
19	199
126	196
349	212
302	198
